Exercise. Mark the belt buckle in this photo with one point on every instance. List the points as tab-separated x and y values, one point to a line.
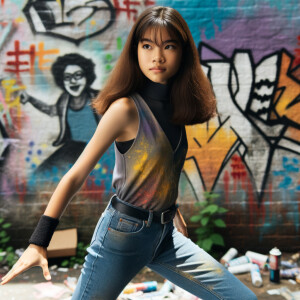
162	217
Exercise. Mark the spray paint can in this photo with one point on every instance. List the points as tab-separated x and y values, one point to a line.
274	262
257	258
238	261
255	276
147	286
296	257
288	264
289	273
229	255
167	287
240	269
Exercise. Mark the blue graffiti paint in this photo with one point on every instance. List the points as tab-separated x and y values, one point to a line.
208	16
290	167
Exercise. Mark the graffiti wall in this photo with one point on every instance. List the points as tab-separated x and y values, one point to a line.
56	56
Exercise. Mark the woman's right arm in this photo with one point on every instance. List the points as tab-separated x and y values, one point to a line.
113	124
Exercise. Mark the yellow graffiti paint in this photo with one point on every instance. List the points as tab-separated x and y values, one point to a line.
19	20
209	144
11	97
97	166
36	160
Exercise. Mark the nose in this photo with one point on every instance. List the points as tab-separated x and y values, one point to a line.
73	80
158	56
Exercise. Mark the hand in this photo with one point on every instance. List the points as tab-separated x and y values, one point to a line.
180	224
32	256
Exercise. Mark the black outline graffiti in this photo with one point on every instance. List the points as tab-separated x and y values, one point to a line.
5	151
253	117
70	148
48	18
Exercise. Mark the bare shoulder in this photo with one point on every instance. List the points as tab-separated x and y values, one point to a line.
124	103
124	107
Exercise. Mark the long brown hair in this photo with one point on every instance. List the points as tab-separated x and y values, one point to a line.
192	96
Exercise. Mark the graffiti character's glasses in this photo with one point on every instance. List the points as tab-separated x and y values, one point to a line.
77	75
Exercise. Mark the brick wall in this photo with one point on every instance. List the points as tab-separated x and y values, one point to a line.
249	155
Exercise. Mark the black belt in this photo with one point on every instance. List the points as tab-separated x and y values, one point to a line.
163	218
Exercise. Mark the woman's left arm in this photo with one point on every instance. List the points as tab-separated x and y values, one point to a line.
180	224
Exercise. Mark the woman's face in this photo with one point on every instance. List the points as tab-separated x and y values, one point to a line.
74	80
159	62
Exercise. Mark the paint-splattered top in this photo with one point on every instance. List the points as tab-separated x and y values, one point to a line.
147	175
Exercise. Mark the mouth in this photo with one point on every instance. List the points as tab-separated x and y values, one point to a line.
75	88
157	69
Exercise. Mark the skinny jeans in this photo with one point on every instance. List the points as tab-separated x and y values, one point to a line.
122	245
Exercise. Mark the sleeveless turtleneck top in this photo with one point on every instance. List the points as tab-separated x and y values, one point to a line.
157	97
147	174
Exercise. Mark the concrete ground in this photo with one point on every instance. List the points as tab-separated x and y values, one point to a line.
28	285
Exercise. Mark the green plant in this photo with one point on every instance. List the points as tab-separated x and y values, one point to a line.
8	256
207	216
78	258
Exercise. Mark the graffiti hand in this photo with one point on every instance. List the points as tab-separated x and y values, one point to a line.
23	97
32	256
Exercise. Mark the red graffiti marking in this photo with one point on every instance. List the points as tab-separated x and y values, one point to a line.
257	213
18	63
21	188
297	54
128	7
226	180
238	172
149	2
2	2
31	55
92	191
270	199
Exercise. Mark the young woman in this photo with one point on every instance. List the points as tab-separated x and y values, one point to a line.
156	87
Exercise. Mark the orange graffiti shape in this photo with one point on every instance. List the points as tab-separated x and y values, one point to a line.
287	95
41	53
209	145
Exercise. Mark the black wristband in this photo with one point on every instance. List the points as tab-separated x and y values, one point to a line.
44	231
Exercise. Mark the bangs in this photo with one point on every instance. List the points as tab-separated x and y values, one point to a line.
156	27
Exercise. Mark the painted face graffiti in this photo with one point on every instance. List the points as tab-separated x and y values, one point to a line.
74	80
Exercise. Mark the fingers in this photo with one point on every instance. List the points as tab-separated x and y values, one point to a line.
44	266
18	268
15	271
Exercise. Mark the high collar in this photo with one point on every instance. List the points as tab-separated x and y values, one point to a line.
156	91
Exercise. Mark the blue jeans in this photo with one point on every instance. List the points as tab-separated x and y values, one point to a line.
122	245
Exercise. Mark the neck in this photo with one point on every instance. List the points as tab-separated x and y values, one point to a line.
156	91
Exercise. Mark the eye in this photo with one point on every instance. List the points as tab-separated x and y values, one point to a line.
146	46
67	77
170	47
